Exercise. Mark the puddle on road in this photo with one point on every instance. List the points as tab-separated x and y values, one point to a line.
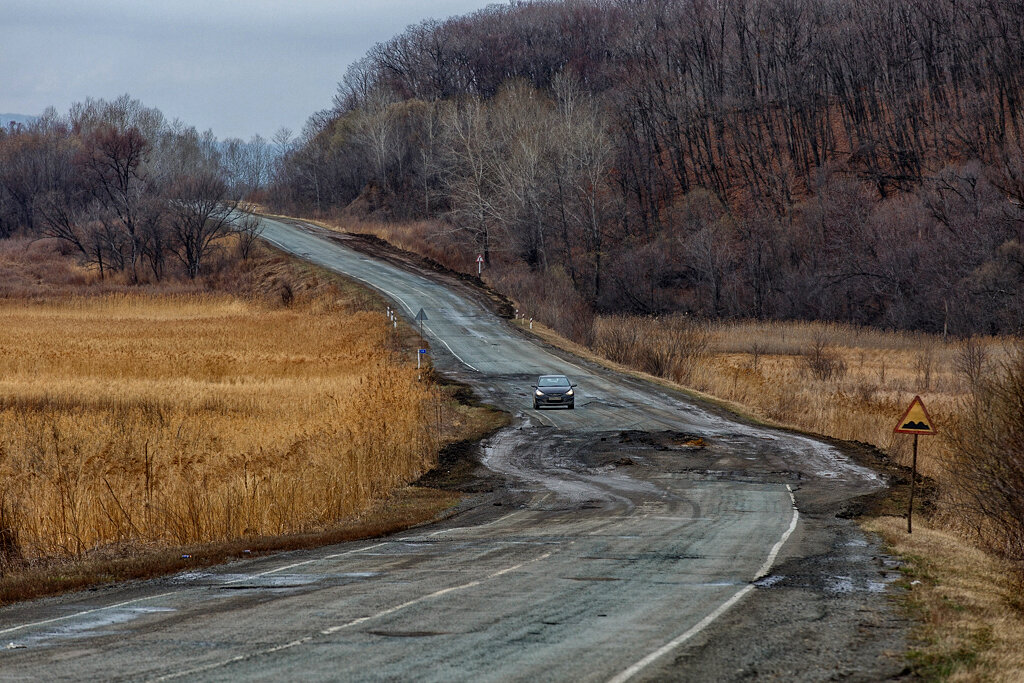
88	625
836	584
769	581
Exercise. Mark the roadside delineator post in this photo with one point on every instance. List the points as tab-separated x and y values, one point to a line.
917	422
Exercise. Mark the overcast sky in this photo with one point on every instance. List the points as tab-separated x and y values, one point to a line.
237	67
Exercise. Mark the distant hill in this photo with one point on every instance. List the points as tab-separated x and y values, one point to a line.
7	119
845	160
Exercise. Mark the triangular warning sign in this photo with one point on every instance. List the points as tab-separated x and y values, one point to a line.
915	420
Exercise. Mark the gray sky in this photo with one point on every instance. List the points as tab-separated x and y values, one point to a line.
237	67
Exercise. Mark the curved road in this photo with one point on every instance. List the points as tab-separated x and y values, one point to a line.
629	551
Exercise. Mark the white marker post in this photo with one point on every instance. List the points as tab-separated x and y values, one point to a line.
418	356
479	264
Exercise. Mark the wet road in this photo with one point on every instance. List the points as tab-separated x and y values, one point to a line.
606	568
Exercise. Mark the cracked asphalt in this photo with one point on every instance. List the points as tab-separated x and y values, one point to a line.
640	536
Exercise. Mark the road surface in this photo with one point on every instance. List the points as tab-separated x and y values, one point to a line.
611	546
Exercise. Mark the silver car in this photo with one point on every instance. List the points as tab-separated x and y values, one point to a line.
553	390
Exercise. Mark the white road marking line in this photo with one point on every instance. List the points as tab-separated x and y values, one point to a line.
766	567
83	613
334	629
451	350
12	629
436	594
462	528
719	611
305	562
668	647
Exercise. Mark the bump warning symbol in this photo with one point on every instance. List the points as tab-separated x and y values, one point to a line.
915	420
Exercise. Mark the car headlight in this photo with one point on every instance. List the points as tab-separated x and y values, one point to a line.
538	393
569	393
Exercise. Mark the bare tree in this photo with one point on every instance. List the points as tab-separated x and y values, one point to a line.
248	228
111	162
200	214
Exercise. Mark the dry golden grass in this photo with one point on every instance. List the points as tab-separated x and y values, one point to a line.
761	366
967	601
174	420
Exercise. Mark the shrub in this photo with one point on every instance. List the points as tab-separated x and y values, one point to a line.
669	346
822	361
988	455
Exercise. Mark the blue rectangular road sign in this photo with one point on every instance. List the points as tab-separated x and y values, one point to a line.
423	350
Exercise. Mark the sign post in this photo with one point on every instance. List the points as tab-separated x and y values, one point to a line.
419	356
479	264
420	317
917	422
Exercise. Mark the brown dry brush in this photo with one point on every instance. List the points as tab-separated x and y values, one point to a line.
987	462
822	360
137	478
259	426
667	346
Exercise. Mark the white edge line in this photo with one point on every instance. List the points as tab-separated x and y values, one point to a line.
719	611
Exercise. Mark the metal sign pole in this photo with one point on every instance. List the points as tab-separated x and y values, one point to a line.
915	421
913	481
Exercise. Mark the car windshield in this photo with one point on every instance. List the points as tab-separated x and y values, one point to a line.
555	381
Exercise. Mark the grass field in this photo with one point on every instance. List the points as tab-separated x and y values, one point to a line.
268	406
184	419
769	368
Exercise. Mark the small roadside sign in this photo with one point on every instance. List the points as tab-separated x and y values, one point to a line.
421	316
916	420
479	258
423	350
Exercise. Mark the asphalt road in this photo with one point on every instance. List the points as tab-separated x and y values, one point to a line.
609	546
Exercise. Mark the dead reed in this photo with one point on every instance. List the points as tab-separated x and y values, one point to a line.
173	420
846	382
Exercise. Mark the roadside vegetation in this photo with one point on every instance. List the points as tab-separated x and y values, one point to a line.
270	405
963	563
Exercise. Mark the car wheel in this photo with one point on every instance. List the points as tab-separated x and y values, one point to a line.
572	406
536	406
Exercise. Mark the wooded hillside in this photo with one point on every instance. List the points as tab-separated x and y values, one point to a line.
851	160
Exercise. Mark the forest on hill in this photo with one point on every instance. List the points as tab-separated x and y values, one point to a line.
846	160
